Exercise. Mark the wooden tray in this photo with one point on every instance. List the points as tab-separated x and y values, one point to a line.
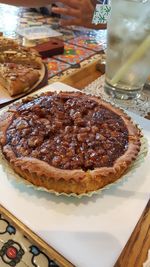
134	253
5	98
86	75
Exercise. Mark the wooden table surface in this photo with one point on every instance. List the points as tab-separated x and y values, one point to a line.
84	76
135	252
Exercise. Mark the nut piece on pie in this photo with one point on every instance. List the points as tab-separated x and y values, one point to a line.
17	78
7	43
68	142
22	56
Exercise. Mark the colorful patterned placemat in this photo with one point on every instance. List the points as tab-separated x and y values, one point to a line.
55	67
74	54
71	70
87	42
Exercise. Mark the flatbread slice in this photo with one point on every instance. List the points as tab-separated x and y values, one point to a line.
22	56
8	43
17	78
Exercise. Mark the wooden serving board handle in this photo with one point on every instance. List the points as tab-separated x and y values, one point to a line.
135	252
84	76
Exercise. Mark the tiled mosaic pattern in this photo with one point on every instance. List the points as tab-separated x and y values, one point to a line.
17	250
55	67
87	42
74	54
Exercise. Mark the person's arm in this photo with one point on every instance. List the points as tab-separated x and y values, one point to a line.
26	3
80	12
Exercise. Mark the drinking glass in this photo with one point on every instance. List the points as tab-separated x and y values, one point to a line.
128	48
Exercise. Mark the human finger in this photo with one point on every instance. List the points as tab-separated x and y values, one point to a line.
70	22
71	3
66	11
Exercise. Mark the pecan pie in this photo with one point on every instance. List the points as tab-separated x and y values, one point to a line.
17	78
69	141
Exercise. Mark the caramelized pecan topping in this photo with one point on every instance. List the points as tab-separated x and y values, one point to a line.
68	131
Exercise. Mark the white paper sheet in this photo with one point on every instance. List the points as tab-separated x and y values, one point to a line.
89	232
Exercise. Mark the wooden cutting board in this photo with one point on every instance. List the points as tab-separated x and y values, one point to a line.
54	46
84	76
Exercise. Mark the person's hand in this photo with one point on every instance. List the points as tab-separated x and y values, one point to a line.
80	12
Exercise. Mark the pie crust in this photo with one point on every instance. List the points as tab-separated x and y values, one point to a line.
68	142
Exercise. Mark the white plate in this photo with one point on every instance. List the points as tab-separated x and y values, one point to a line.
88	231
38	32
